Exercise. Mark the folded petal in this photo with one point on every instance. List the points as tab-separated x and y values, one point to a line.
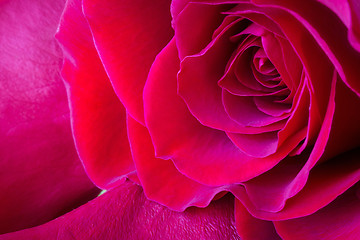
98	117
128	35
251	228
339	220
354	31
161	181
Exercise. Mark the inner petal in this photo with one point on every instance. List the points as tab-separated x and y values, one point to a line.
244	111
256	145
269	105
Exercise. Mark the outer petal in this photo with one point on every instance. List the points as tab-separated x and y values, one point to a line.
40	174
340	220
251	228
125	213
98	117
161	181
128	35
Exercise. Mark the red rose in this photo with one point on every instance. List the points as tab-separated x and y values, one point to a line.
250	97
41	176
258	98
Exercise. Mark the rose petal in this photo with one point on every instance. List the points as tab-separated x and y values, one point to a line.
341	8
98	117
244	111
256	145
277	194
315	62
41	176
161	181
128	35
125	213
250	228
198	77
195	25
270	106
337	143
339	220
324	184
354	31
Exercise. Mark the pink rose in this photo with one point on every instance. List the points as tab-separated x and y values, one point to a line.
41	175
258	98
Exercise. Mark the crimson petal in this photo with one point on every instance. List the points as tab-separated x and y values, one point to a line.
337	221
98	117
251	228
128	35
161	181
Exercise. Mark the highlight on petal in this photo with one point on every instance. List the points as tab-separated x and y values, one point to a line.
128	35
125	213
40	174
98	117
354	31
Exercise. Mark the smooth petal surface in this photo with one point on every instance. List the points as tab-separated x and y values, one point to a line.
251	228
98	117
125	213
128	35
340	220
161	181
354	31
324	184
40	174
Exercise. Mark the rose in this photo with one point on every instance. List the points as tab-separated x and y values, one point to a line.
247	97
201	107
41	176
266	195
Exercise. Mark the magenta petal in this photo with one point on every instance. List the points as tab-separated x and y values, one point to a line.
125	213
341	8
197	82
256	145
324	184
337	221
161	181
40	174
244	111
98	117
270	106
251	228
354	31
128	35
194	27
